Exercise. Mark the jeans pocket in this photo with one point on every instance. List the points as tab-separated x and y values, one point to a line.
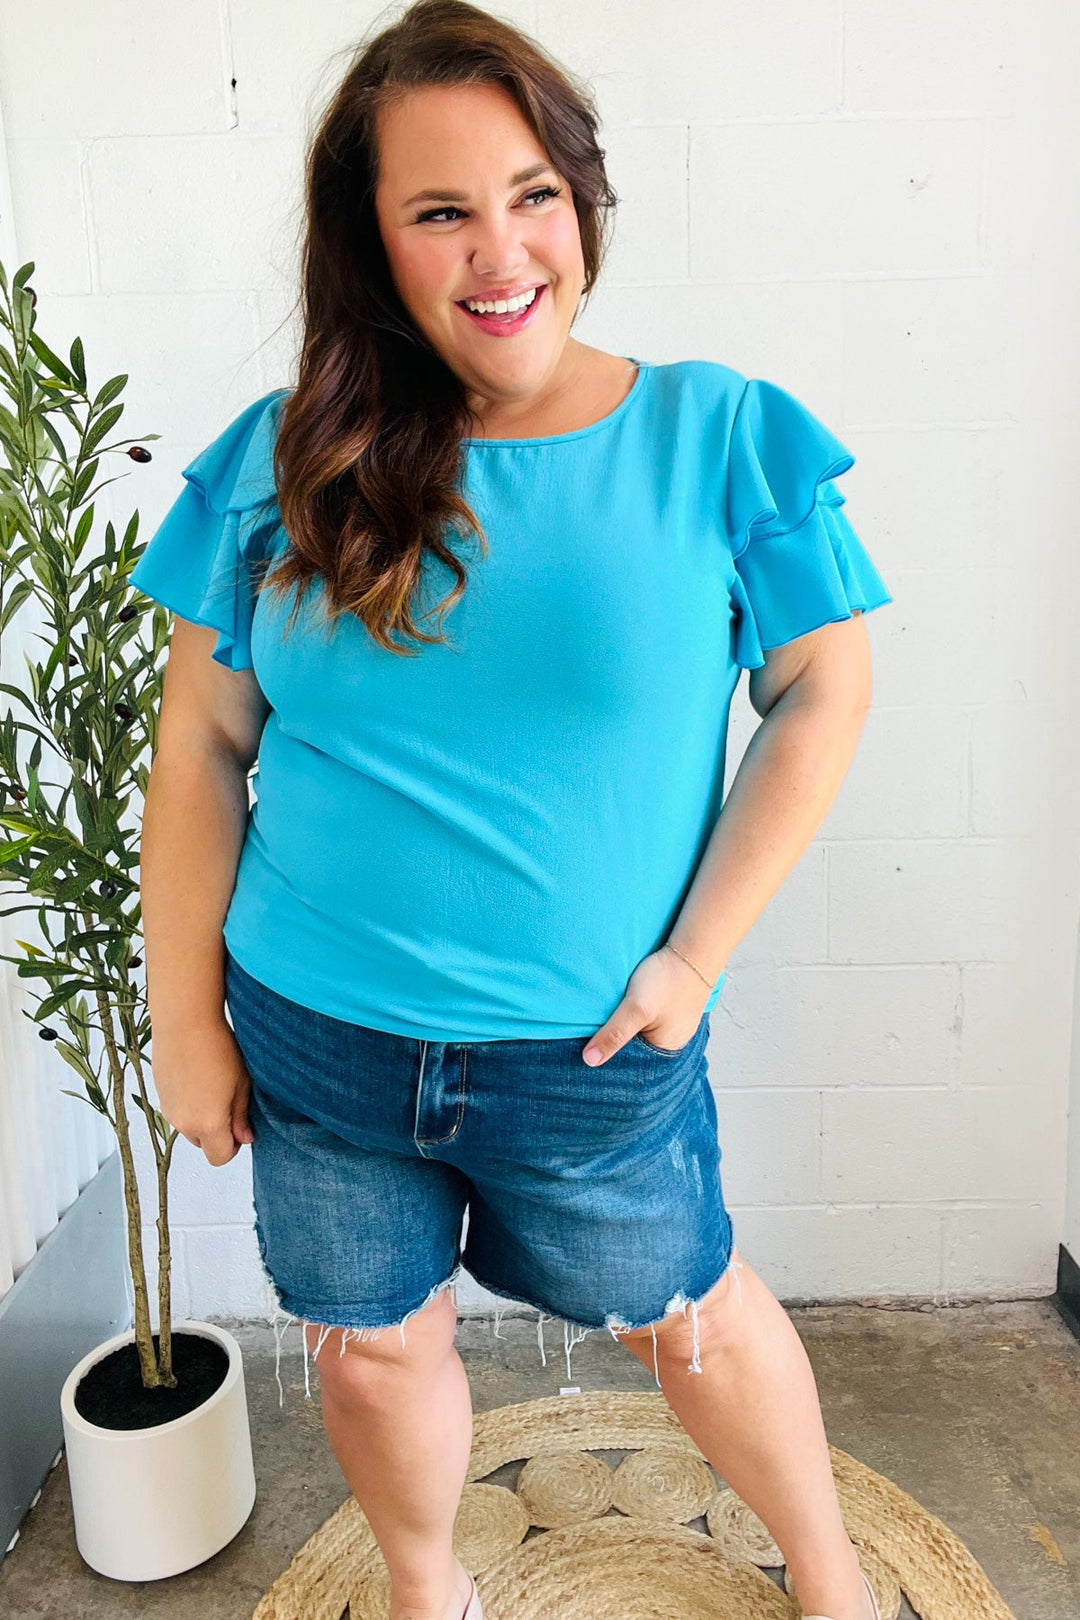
668	1051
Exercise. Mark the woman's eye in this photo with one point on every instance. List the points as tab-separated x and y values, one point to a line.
438	213
546	191
435	213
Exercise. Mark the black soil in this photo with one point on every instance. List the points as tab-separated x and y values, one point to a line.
112	1394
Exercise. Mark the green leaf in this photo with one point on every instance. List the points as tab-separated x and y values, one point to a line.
13	851
82	483
57	442
12	434
82	1097
78	362
18	596
97	432
93	1091
58	999
43	352
76	1059
18	823
108	391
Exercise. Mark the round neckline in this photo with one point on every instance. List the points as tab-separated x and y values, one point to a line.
592	427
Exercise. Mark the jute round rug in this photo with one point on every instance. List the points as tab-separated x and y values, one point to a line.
579	1538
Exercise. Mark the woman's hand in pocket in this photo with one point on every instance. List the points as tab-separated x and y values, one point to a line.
664	1001
203	1088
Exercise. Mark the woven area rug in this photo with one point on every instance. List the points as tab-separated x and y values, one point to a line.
579	1537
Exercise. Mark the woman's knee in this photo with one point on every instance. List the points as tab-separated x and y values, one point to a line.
715	1319
420	1341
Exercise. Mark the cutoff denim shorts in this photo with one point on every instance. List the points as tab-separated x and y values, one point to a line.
590	1193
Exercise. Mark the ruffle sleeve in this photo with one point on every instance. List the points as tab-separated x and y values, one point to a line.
798	562
198	562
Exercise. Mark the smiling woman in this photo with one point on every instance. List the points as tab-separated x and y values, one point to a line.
456	163
474	858
509	248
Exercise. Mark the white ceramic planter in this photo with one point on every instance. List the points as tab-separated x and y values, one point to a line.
149	1503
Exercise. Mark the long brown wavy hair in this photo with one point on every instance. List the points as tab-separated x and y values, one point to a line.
369	443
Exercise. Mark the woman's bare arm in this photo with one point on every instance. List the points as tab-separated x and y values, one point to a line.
813	694
194	820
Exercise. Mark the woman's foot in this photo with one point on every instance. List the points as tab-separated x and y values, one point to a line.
873	1612
455	1606
869	1605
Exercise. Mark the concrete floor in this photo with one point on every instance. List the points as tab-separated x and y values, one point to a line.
974	1410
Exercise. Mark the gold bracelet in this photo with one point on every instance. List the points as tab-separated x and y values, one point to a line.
688	962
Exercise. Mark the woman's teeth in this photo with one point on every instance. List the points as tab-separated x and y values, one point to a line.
501	306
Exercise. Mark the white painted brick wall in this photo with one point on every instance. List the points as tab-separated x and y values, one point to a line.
873	204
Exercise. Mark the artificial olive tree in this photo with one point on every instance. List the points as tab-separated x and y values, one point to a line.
76	738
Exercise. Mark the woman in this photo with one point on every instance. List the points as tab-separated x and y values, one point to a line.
470	934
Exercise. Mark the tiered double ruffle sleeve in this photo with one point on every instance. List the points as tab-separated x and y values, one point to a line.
799	563
198	561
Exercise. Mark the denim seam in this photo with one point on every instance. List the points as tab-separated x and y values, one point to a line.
439	1141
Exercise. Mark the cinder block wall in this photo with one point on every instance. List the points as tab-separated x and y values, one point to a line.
874	205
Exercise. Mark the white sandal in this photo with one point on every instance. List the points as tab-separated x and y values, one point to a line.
475	1612
866	1583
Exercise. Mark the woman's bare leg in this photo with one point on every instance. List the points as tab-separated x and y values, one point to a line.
400	1423
754	1412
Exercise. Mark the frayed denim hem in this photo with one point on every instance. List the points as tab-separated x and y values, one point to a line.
279	1319
574	1331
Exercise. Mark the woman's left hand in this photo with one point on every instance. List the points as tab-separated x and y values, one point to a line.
664	1001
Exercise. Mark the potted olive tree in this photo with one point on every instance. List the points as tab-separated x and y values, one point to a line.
155	1424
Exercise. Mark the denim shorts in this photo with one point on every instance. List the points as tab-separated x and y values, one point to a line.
590	1193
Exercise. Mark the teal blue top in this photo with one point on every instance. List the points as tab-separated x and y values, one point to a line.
482	841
